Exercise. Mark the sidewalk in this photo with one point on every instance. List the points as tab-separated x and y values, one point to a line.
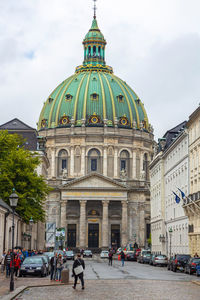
23	281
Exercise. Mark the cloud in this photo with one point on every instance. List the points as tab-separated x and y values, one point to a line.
152	45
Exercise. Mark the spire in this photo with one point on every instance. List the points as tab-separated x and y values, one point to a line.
95	8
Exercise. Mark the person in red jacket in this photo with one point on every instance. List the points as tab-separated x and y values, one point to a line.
17	262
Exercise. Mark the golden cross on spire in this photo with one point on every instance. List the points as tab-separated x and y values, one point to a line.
95	8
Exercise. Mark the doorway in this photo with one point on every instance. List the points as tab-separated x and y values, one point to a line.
115	236
71	236
93	235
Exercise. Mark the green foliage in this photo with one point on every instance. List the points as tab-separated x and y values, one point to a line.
18	170
149	241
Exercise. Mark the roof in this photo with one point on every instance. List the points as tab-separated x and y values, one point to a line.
28	133
5	205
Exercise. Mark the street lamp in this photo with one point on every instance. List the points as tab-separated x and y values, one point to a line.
170	241
13	204
31	225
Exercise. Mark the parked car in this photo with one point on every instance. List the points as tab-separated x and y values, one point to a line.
69	255
190	266
33	265
160	260
104	254
131	256
151	259
144	256
47	262
87	253
49	254
179	261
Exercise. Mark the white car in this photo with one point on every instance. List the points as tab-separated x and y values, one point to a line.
104	254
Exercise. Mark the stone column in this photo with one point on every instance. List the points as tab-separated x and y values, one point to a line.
105	163
83	161
72	162
53	163
82	236
141	163
124	230
105	243
115	163
63	213
134	165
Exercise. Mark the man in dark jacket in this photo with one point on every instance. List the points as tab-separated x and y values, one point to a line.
53	263
78	262
122	257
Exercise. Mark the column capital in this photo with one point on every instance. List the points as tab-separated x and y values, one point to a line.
83	202
105	202
63	202
124	202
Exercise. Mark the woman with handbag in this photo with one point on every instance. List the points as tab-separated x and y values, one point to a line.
77	270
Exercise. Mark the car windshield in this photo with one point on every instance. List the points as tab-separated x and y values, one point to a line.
48	254
183	257
104	252
87	251
45	259
69	252
33	260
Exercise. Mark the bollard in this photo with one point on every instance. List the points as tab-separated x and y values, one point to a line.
65	276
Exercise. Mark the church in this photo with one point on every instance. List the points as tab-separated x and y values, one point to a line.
99	144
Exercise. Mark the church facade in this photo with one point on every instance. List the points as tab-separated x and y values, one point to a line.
99	143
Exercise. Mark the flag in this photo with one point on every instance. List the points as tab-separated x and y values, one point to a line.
184	198
177	198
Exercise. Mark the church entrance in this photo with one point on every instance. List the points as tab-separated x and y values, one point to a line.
71	236
93	235
115	236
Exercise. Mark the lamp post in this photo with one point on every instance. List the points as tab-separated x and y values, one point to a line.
31	226
13	204
170	241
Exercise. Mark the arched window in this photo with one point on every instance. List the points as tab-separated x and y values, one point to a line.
94	51
62	163
99	52
89	52
124	162
94	161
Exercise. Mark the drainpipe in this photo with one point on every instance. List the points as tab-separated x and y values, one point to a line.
4	234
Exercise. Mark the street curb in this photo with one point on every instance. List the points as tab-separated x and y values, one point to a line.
21	289
196	282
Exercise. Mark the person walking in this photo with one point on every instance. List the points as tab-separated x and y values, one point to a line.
110	257
3	262
53	263
59	267
7	263
77	270
122	257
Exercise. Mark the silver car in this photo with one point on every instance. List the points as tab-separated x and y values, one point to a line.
160	260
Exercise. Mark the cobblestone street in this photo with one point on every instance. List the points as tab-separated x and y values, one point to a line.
133	281
117	289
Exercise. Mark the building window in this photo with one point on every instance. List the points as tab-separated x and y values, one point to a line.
123	165
68	97
93	164
64	164
94	97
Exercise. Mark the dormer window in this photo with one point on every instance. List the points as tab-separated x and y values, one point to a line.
94	97
120	98
50	100
68	97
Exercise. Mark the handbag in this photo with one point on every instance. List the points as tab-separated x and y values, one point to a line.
78	270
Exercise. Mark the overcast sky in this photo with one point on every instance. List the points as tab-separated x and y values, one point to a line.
152	45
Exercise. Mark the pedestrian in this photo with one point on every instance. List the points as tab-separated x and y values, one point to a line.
3	262
7	263
196	255
77	271
59	267
53	263
17	263
110	257
122	257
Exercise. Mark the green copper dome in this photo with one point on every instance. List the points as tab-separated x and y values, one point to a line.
93	96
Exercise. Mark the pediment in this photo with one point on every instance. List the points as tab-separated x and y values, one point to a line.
94	181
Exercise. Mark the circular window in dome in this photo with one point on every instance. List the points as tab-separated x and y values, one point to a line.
94	120
123	121
64	120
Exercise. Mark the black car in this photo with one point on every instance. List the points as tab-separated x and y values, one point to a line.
190	266
179	261
33	265
131	256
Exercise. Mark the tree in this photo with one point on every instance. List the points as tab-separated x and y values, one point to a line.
18	170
